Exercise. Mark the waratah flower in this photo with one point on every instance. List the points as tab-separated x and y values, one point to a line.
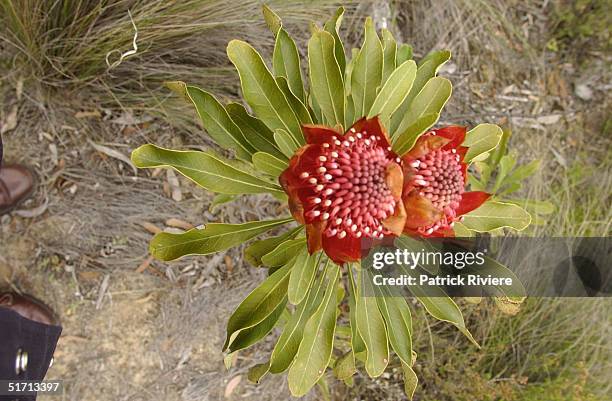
435	177
345	188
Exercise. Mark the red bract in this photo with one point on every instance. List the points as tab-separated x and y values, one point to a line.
434	187
345	188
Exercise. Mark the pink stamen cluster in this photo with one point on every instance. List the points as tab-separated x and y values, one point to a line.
349	183
439	178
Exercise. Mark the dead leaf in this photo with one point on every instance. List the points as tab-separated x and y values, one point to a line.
179	224
10	122
88	114
150	227
143	266
583	92
114	154
550	119
231	386
174	184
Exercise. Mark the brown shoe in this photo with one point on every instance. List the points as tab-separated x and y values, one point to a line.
16	184
29	307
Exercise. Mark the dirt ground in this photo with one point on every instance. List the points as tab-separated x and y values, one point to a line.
139	329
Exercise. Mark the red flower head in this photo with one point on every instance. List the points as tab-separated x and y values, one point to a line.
345	188
434	187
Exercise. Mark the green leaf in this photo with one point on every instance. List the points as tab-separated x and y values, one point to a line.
493	215
515	293
345	366
522	172
389	54
356	341
286	143
259	304
212	238
398	319
431	99
367	71
442	307
404	53
261	92
254	252
286	63
405	141
425	72
218	123
315	350
269	164
283	253
371	327
289	341
220	199
333	27
506	164
326	83
411	381
272	19
394	91
257	372
462	231
206	170
297	106
255	131
302	275
481	139
251	335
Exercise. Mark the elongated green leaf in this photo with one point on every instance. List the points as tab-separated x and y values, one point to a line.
205	169
404	53
302	275
431	99
286	143
425	71
259	304
297	106
283	252
535	206
213	238
272	19
481	139
515	292
315	350
396	314
245	338
289	341
269	164
493	215
326	82
438	304
255	131
349	72
333	27
406	140
218	123
371	327
367	71
261	91
356	341
286	63
389	54
522	172
411	381
394	91
254	252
